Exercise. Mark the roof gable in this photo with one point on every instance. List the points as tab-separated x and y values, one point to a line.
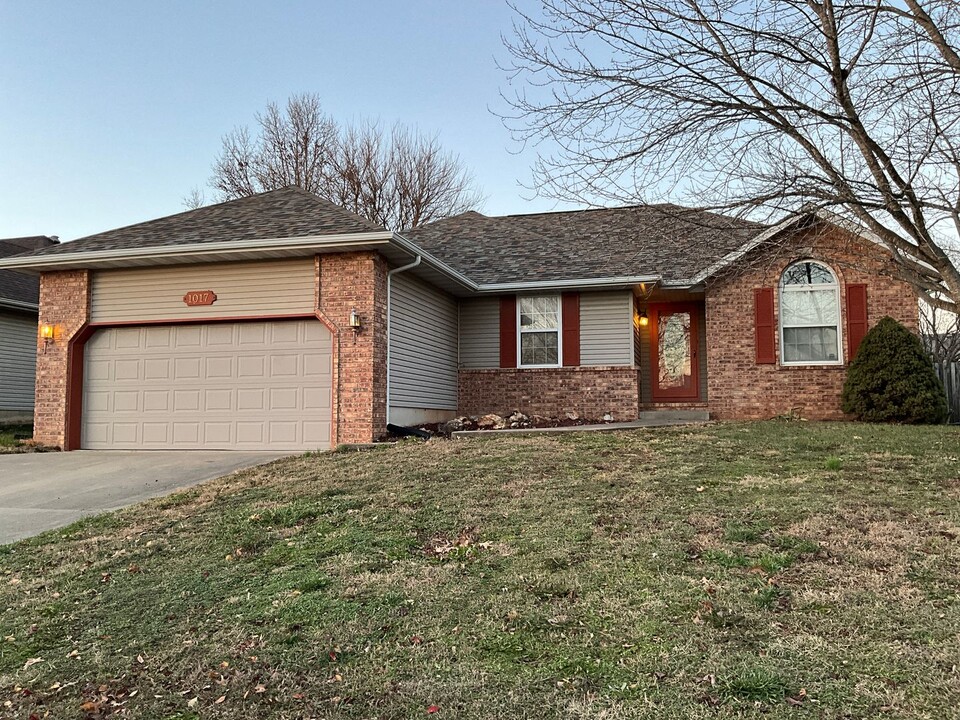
288	212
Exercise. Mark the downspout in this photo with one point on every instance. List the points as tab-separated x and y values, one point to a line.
390	274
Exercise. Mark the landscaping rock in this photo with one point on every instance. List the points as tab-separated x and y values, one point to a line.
518	420
451	426
608	418
492	422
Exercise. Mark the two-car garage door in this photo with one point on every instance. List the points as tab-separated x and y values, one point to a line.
236	386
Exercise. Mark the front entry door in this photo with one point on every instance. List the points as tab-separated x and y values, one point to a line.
674	348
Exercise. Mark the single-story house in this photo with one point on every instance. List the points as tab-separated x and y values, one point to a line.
282	321
19	304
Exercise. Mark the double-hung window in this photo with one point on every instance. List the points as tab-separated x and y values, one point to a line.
539	330
809	315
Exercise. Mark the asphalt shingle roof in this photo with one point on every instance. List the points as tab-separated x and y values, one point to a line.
667	240
18	286
286	212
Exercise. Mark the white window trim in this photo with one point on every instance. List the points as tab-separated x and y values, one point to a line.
559	332
835	286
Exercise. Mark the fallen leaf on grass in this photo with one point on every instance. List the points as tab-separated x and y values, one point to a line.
432	709
32	661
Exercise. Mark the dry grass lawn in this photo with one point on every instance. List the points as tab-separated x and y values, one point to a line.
737	570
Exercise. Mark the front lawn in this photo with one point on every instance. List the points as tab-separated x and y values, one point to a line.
11	434
736	570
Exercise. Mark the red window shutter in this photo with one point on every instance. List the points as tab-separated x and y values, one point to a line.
765	326
508	331
570	335
856	317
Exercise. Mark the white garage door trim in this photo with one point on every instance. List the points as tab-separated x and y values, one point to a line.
227	385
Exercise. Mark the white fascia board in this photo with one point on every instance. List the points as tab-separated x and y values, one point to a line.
572	284
166	252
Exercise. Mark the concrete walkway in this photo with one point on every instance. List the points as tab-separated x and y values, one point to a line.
604	427
40	491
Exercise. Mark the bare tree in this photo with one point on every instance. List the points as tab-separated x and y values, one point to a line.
397	178
194	199
847	105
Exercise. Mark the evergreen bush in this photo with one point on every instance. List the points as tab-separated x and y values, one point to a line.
892	379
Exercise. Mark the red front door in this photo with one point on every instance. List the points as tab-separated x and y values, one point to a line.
673	344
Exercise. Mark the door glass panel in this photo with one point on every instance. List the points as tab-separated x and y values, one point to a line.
675	352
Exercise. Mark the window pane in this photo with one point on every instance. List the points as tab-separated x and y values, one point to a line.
539	348
673	343
809	307
808	273
539	313
813	344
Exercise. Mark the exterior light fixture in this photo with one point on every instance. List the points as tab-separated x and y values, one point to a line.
643	319
355	322
48	332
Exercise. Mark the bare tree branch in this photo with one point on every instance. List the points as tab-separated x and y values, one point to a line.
765	108
397	178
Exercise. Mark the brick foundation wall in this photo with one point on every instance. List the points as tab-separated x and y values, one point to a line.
588	391
739	388
346	282
65	304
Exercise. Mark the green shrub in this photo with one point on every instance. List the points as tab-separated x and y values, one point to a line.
891	379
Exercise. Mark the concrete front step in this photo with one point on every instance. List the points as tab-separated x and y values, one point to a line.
674	415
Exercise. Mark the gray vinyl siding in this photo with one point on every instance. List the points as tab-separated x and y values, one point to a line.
243	289
423	345
606	328
18	360
480	333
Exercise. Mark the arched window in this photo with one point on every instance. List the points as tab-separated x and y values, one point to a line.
809	315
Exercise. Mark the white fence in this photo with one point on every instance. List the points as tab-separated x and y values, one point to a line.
949	373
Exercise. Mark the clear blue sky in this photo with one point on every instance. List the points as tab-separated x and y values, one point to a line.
110	112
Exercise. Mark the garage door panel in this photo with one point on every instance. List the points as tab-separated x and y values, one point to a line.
126	401
125	370
236	385
214	400
188	336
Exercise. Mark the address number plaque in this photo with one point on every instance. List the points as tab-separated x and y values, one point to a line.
200	297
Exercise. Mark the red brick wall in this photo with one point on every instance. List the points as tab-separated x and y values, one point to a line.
588	391
65	304
356	281
739	388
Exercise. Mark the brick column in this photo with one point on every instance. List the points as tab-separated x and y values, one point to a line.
65	304
346	282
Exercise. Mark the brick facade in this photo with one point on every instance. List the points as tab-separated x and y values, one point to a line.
346	282
588	391
739	388
64	304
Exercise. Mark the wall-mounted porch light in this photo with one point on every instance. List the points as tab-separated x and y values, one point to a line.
49	332
642	319
355	321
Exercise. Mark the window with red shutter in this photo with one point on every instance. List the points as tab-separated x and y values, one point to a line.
765	326
571	329
856	316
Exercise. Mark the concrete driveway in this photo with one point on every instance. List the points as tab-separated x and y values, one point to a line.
39	491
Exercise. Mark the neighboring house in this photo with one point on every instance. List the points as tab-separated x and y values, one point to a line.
271	321
19	300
